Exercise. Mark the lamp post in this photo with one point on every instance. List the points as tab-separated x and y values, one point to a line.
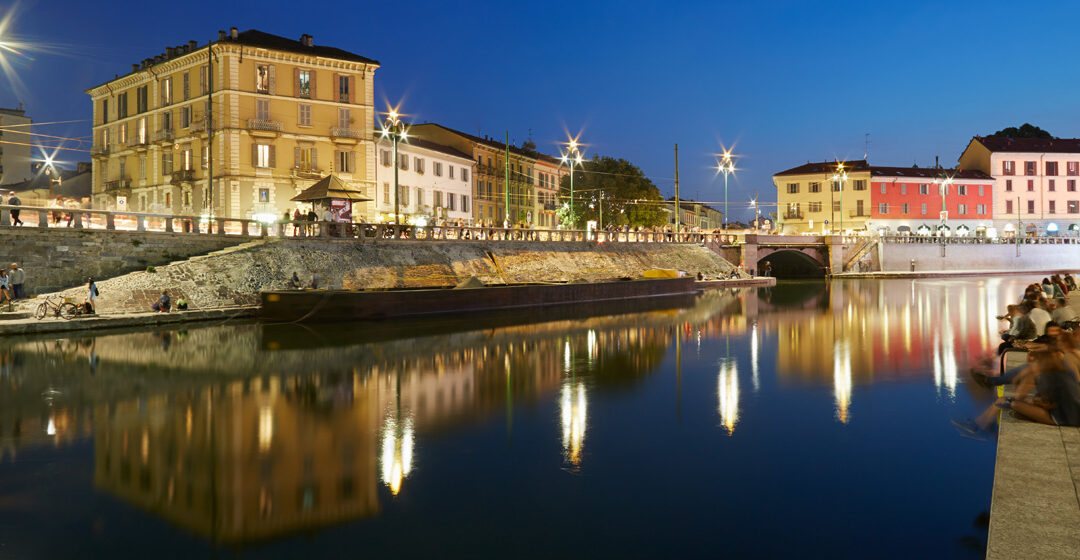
839	177
571	157
943	187
395	130
726	165
757	212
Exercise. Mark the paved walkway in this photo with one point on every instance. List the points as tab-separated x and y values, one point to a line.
949	273
49	325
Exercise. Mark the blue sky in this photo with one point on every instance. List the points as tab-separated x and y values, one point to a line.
784	81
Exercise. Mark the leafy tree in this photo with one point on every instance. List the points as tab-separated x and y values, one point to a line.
629	197
1027	130
529	147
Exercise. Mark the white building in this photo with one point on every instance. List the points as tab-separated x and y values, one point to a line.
433	183
15	165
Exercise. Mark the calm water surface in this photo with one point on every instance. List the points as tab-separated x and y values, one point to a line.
808	420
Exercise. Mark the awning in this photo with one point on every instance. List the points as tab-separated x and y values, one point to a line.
904	228
330	187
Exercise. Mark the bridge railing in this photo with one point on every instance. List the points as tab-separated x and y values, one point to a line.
930	240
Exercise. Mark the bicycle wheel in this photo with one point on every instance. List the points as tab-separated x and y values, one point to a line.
67	310
42	309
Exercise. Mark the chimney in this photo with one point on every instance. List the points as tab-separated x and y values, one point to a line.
135	67
192	45
234	33
220	35
82	167
169	52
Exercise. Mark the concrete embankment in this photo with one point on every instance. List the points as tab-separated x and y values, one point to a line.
984	258
235	276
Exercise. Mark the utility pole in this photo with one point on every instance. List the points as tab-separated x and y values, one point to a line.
1018	226
507	190
678	217
210	131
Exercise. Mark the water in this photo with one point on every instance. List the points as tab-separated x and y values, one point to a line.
809	420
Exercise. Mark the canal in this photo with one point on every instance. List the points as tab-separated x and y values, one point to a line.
806	420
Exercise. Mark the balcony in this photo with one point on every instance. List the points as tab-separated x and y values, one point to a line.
341	132
859	213
99	151
793	215
182	176
550	206
197	125
264	124
119	186
306	173
135	140
164	135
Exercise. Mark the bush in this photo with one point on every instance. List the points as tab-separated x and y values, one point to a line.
151	269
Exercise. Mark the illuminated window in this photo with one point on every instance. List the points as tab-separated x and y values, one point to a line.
303	83
262	78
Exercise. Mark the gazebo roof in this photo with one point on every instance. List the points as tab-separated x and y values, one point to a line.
329	187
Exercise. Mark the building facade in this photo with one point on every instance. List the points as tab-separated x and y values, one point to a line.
15	155
283	113
1035	182
434	183
823	197
549	174
694	215
922	200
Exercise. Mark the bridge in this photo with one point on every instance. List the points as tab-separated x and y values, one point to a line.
798	255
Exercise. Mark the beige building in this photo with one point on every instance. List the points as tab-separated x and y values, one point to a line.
15	154
284	113
549	174
823	197
1035	182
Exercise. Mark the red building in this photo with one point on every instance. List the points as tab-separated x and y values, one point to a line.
910	199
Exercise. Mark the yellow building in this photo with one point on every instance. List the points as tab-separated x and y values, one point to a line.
823	197
284	114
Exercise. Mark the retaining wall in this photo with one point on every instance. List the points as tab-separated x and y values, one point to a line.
896	257
235	276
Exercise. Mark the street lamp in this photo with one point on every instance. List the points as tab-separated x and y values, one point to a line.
394	129
757	212
726	165
571	157
839	177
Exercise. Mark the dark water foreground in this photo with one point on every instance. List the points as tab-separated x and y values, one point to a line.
807	420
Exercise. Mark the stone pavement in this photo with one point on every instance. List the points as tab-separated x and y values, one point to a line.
110	321
1035	509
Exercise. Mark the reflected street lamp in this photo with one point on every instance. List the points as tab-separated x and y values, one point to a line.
571	157
396	131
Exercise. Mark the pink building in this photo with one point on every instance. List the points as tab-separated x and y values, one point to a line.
911	199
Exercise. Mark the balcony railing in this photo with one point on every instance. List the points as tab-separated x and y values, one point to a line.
793	215
135	140
307	173
550	206
164	135
99	150
198	125
859	213
340	132
183	176
263	124
117	185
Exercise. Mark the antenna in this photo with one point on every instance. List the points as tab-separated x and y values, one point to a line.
866	153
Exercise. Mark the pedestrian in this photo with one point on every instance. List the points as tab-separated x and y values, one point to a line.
5	287
16	278
314	285
312	217
89	306
296	225
14	201
163	303
294	282
768	269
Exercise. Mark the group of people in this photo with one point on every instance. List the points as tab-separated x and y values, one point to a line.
11	284
295	284
1047	385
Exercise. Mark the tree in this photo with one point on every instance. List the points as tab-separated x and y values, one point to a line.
1027	130
629	197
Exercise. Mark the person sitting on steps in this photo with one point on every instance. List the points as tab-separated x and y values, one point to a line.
163	303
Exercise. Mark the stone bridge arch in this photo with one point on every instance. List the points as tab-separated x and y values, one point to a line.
791	262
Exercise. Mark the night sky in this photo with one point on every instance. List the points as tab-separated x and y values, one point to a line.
784	81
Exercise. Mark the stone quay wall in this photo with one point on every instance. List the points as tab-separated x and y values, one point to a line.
55	259
897	257
235	276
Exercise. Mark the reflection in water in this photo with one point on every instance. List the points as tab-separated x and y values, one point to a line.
842	379
397	451
573	413
728	393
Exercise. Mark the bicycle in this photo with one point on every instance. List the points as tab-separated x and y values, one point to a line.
64	310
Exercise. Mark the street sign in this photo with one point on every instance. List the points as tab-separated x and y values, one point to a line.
121	203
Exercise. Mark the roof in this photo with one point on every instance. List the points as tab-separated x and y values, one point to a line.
690	204
256	38
486	141
429	145
330	186
825	167
1055	145
928	173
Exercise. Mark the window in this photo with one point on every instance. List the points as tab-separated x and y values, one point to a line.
981	190
815	187
142	166
1008	185
1071	185
464	174
168	200
813	206
262	155
346	161
1008	168
187	198
961	209
305	114
384	157
185	116
1050	185
166	91
386	193
418	165
140	130
961	190
121	137
943	189
924	189
104	111
464	203
262	78
166	162
1052	168
343	89
142	99
437	199
905	208
450	169
883	188
980	209
419	197
1008	207
305	158
264	195
1031	207
436	168
303	83
1051	206
403	195
204	82
836	206
860	185
792	188
450	199
836	186
121	106
923	209
1072	168
205	156
262	109
187	86
166	120
403	162
1031	185
883	208
186	162
344	118
903	188
1074	206
1029	168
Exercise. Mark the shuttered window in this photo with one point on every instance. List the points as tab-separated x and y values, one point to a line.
262	155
